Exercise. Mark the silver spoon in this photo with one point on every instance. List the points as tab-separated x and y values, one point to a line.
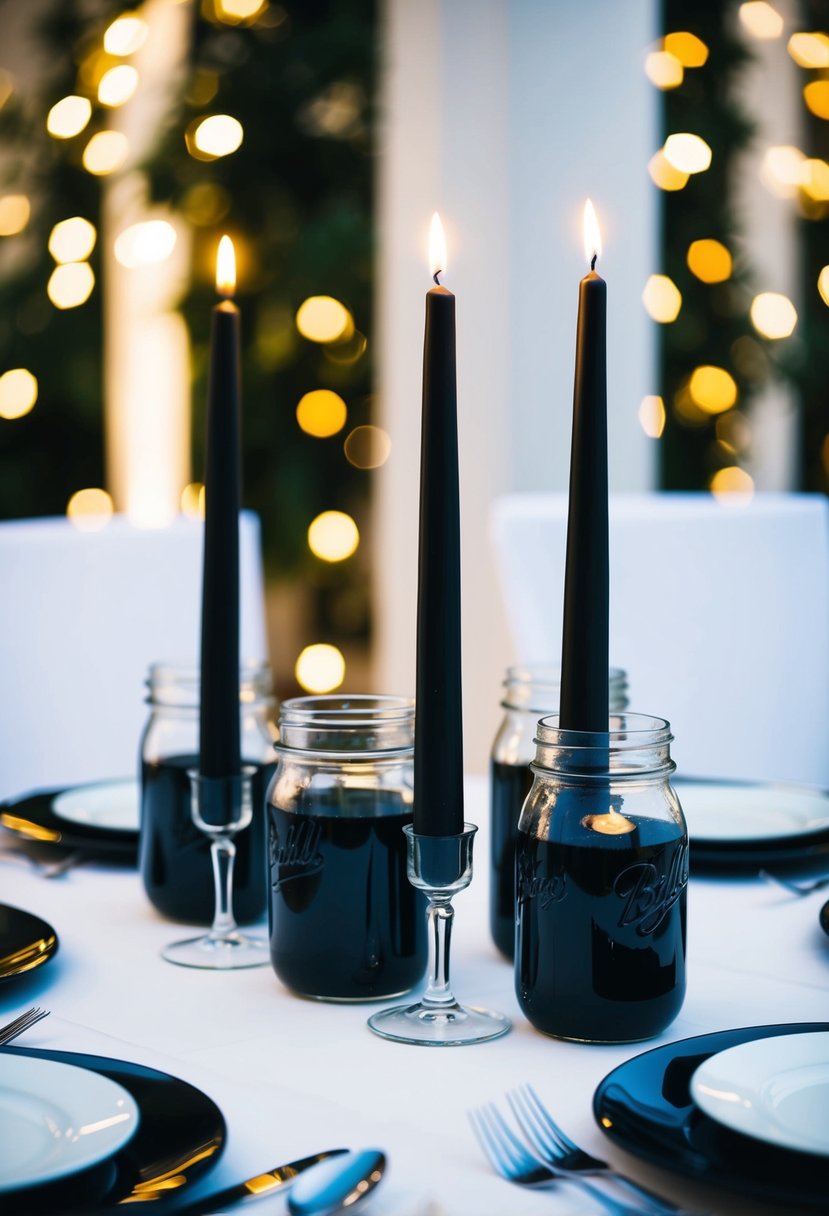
337	1184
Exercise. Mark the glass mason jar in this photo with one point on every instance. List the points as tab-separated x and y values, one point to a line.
345	922
602	874
174	856
530	692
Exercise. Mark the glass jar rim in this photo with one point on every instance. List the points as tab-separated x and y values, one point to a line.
183	677
359	709
535	687
325	727
627	732
546	672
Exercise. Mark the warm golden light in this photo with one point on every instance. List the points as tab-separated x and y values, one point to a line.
664	70
145	244
321	413
192	500
610	824
687	48
688	153
437	247
823	285
710	261
15	210
773	315
816	97
323	319
592	234
814	179
333	536
662	299
761	20
90	510
18	393
117	85
782	169
218	135
235	12
652	416
732	485
68	117
105	152
367	447
320	668
126	35
712	389
226	268
664	175
70	285
810	50
72	240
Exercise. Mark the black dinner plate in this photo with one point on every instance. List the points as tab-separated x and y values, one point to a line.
645	1107
741	853
824	917
31	818
181	1134
26	942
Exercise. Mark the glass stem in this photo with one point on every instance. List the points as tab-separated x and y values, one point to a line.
223	855
440	916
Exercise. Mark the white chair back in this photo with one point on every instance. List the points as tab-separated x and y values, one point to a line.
82	615
719	614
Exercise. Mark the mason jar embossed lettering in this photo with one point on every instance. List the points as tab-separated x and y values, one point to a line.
174	856
530	692
601	880
345	922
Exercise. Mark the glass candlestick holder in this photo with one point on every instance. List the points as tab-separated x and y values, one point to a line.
440	866
221	807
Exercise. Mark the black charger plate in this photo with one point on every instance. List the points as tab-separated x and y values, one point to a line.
645	1107
31	819
26	942
181	1134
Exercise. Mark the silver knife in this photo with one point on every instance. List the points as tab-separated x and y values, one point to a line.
261	1184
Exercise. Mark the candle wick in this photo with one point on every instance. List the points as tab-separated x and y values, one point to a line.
436	278
593	261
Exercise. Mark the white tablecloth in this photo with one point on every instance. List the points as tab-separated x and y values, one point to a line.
294	1076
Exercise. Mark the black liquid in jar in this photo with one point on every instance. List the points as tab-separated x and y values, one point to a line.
600	944
509	786
174	855
345	922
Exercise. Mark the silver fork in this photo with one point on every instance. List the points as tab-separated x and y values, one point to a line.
557	1150
796	888
24	1022
513	1161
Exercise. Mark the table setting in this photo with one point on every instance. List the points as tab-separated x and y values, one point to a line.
648	987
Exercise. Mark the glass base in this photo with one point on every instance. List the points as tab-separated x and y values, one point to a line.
435	1026
227	952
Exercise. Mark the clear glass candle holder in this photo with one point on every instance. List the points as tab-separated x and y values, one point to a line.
439	866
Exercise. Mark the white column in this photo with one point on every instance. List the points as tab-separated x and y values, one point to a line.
503	115
147	354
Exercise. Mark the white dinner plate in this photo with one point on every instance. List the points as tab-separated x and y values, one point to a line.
746	812
776	1090
113	805
56	1120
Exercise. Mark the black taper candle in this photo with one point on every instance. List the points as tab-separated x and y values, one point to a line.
584	654
438	760
219	746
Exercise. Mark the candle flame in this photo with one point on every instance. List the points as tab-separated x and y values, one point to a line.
592	235
437	248
226	268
